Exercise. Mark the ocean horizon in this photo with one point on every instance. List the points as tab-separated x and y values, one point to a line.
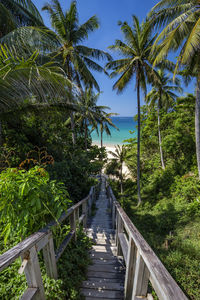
127	130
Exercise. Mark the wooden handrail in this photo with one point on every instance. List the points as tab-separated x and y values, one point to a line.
142	264
43	240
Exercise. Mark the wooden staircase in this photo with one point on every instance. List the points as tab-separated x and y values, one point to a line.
123	264
106	274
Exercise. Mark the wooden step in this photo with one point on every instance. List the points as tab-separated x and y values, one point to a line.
106	262
105	268
108	275
113	286
101	293
108	280
104	248
100	255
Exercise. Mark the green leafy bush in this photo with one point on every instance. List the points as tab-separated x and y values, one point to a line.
29	200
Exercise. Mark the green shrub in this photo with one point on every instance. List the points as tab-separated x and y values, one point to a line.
29	200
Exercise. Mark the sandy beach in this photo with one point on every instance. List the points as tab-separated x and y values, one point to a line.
109	148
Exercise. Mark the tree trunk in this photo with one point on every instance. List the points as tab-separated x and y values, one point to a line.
69	72
86	135
197	123
101	138
159	136
73	128
138	141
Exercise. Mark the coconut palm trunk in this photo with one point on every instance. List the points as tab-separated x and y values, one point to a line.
69	72
197	123
138	140
159	136
101	137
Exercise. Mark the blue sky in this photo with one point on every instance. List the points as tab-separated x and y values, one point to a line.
109	13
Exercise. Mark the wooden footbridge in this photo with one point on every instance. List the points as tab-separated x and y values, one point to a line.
124	266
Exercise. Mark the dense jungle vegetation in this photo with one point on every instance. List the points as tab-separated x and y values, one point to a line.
169	216
48	107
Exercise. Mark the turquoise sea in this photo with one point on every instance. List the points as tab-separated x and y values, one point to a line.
125	125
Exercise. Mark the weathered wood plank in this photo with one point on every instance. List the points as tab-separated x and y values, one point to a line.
106	280
141	277
8	257
105	262
101	256
124	245
85	211
130	269
120	228
72	222
101	293
163	283
50	259
29	294
108	275
106	268
32	272
113	286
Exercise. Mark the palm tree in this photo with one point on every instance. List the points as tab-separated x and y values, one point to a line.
105	124
182	22
15	13
119	156
89	113
77	59
24	85
135	49
163	95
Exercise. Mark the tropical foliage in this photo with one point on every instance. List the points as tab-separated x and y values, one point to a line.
49	105
163	95
181	32
136	50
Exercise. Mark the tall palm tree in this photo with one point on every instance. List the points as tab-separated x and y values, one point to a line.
89	113
105	124
181	19
163	95
24	85
119	156
15	13
77	59
135	49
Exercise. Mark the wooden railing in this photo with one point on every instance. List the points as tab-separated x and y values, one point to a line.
43	240
142	264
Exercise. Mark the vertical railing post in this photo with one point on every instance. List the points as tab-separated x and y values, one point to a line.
84	211
113	215
90	202
77	216
33	273
130	269
49	258
72	222
141	278
119	230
